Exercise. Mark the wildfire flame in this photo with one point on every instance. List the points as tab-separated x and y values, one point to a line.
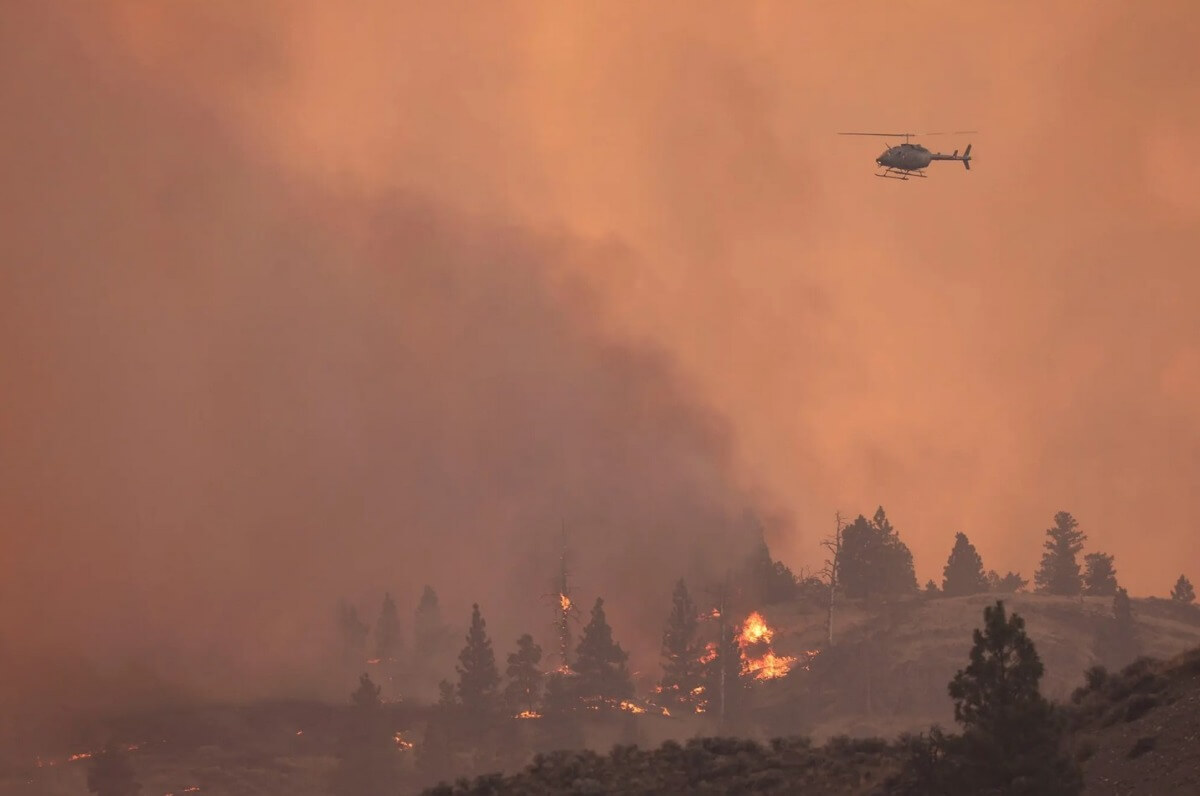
565	602
40	763
756	633
528	714
402	744
710	653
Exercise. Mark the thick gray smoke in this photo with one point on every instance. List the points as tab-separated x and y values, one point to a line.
232	396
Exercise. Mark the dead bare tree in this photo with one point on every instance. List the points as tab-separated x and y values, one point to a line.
564	607
830	571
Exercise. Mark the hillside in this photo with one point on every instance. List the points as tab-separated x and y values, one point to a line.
890	666
886	675
1139	730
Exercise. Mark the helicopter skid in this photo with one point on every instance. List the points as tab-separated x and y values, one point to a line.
899	174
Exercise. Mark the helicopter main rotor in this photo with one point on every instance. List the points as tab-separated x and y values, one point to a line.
907	136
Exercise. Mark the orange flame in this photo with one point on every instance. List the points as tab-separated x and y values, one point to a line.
528	714
565	602
767	665
402	744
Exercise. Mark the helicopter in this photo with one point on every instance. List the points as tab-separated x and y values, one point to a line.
909	160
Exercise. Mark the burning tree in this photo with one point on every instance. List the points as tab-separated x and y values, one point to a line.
683	674
111	774
565	611
524	689
757	655
367	763
600	662
478	677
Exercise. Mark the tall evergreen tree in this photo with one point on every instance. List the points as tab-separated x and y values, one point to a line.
434	648
524	689
387	632
1183	591
1099	575
1059	571
478	677
1117	641
111	775
1012	737
367	759
963	573
600	661
873	561
682	670
768	581
353	633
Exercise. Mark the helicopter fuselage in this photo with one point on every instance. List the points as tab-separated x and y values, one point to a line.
905	157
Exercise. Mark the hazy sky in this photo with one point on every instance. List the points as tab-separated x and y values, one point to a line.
298	302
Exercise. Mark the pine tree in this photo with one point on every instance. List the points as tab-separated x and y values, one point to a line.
387	632
1009	584
434	648
524	689
1183	591
682	670
931	588
600	661
111	775
478	676
367	760
1059	571
873	561
353	633
769	581
963	573
1012	737
1099	575
1116	638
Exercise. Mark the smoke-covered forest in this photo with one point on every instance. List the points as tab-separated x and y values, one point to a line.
398	397
854	677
